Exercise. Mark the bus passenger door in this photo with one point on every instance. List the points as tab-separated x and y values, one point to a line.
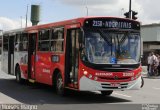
5	53
31	55
72	56
11	55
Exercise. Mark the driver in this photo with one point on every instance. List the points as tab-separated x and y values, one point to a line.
99	48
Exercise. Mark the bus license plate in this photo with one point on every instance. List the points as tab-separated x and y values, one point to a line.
115	85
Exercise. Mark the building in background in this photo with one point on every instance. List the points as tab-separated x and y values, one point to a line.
151	40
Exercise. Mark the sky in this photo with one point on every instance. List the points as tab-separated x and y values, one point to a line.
13	12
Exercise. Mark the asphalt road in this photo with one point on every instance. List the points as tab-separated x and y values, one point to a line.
46	98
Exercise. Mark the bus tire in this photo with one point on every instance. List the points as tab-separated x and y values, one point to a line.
18	75
59	85
106	93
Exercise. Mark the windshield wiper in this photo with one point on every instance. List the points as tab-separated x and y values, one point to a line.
118	46
123	39
105	37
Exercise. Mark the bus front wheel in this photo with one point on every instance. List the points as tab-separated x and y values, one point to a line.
106	93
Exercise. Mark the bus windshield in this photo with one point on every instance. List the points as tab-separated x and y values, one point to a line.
111	47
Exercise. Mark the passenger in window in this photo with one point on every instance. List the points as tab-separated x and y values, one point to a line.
17	47
53	47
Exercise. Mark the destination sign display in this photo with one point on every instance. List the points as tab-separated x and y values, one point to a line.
112	23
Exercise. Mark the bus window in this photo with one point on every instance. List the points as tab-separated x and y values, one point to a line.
21	42
57	40
5	43
44	40
17	42
24	41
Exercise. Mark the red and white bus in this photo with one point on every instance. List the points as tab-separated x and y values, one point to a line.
84	54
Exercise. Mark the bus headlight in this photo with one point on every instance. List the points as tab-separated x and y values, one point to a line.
85	72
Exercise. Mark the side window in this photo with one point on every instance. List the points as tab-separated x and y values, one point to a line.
5	43
57	40
21	43
17	42
24	42
44	40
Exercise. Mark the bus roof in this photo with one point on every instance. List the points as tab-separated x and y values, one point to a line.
60	23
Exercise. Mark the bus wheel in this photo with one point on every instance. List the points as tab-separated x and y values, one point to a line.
106	93
18	75
59	85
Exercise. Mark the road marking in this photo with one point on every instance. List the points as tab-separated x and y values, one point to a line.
156	88
122	95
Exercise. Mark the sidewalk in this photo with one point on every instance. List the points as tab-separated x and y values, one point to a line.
145	74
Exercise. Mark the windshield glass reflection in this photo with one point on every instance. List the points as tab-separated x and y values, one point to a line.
105	47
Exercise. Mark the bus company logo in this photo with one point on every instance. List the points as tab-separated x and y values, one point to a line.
46	71
116	78
104	74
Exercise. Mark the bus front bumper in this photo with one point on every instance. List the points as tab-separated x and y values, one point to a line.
87	84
